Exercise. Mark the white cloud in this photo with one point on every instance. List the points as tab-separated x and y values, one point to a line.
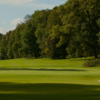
4	31
15	2
16	21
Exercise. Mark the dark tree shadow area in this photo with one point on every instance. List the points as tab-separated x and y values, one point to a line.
84	59
14	91
42	69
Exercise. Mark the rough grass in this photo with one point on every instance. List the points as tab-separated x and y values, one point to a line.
46	79
92	63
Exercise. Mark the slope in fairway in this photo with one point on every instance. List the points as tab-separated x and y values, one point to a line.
41	79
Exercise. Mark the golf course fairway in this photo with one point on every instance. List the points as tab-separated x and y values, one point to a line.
47	79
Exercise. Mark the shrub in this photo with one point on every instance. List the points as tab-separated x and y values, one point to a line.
92	63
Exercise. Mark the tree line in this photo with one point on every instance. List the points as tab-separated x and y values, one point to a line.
69	30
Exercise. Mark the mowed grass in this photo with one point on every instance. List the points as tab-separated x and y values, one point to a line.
47	79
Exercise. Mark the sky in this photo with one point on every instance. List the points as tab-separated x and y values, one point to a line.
13	12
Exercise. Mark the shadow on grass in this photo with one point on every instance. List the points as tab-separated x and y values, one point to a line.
44	91
76	59
42	69
82	59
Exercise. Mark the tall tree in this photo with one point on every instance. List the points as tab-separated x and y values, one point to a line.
80	23
29	41
3	49
40	19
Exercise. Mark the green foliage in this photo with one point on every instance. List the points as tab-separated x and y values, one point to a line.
15	46
10	53
92	63
21	52
69	30
3	48
1	36
28	39
81	25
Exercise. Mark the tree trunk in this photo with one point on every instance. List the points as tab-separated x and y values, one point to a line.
36	55
95	53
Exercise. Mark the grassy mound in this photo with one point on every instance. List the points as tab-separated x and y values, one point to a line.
92	63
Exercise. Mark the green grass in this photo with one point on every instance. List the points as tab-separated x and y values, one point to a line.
46	79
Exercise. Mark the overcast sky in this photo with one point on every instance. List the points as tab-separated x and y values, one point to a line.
13	12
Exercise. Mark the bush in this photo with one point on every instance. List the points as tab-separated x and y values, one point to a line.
92	63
